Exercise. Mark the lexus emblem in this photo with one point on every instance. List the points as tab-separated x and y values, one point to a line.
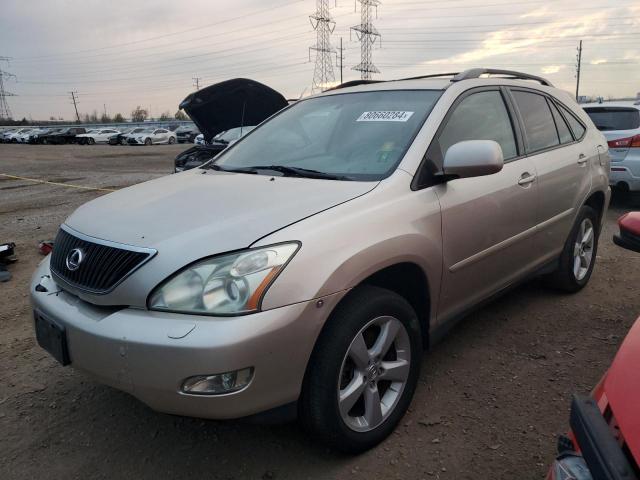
74	259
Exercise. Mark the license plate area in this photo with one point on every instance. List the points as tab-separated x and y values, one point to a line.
52	337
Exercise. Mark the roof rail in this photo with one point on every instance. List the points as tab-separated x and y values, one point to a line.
477	72
353	83
433	75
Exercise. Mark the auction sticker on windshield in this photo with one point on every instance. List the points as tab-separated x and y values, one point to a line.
385	116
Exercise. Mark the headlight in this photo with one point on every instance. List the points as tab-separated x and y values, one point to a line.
230	284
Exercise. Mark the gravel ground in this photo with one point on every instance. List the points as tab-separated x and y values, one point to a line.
491	399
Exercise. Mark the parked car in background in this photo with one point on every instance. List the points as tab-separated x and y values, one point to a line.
12	137
24	137
199	140
65	135
604	441
100	135
306	269
4	134
36	137
620	123
121	138
152	136
185	134
201	153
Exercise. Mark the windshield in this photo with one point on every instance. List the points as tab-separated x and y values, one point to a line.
353	136
614	118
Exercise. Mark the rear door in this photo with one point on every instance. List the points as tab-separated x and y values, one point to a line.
562	161
487	222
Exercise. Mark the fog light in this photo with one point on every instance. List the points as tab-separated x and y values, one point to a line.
219	383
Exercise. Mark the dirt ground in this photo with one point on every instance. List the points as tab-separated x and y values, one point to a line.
492	397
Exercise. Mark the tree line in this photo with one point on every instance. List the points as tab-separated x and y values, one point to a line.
138	114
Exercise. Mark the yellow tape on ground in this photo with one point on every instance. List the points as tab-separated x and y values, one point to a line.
16	177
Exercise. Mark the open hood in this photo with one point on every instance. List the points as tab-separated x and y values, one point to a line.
230	104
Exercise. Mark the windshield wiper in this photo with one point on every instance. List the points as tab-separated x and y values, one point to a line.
297	172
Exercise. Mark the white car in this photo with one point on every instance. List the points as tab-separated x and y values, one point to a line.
620	123
226	137
24	137
100	135
151	136
13	137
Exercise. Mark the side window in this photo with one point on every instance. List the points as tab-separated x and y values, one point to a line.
561	125
480	116
574	123
539	126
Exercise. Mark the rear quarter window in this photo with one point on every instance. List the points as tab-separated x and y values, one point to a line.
614	118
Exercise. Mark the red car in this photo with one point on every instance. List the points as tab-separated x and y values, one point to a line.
604	442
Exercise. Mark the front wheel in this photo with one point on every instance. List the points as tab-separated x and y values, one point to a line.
91	141
363	370
147	141
579	254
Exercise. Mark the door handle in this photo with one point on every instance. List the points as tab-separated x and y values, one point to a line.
582	159
526	178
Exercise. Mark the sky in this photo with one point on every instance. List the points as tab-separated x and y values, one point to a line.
119	54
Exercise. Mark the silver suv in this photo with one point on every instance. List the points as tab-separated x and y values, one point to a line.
309	265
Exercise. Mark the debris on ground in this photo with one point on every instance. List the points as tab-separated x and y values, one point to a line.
45	247
7	255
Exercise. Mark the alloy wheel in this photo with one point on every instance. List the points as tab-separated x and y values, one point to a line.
374	373
583	249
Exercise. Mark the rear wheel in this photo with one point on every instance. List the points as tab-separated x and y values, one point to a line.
363	371
172	140
579	254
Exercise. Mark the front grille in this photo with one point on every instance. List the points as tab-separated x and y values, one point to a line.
104	265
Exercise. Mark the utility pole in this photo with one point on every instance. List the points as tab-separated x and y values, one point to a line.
341	57
323	24
196	82
74	99
5	111
578	66
367	35
105	109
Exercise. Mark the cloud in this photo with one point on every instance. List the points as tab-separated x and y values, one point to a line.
540	12
598	61
549	69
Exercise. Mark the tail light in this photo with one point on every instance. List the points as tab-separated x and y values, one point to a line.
629	142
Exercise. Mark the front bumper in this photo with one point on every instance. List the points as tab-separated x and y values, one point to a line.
149	354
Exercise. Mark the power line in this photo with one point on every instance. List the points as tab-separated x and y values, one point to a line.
323	24
367	35
196	82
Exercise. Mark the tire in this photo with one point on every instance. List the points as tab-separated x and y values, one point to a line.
91	141
353	425
147	141
172	140
578	258
123	141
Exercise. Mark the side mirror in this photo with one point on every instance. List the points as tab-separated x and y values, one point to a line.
473	158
